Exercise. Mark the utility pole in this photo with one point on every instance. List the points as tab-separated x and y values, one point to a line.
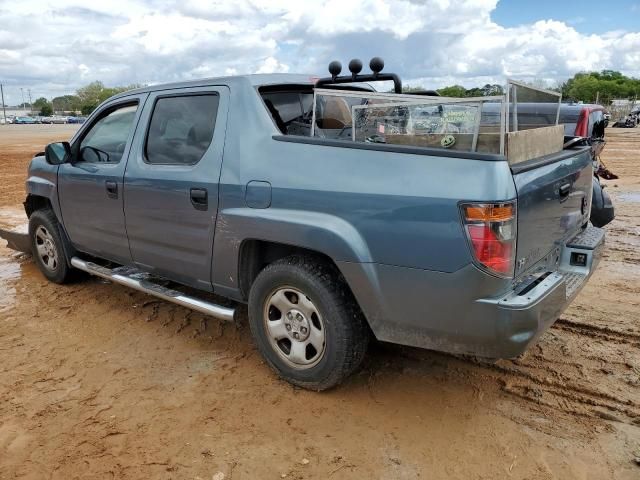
4	111
22	93
31	104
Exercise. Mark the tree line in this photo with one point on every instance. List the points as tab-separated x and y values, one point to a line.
85	100
602	87
587	87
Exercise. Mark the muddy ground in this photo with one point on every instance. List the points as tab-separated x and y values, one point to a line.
97	381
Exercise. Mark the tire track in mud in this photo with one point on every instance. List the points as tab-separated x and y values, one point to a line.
601	333
575	399
543	379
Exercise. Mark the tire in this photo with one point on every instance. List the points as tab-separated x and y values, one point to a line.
48	247
317	298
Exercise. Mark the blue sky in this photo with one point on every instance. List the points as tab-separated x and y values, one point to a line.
431	43
588	16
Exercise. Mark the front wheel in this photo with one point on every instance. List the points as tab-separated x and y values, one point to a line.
47	247
306	323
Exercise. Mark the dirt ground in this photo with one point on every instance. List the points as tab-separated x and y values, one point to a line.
98	381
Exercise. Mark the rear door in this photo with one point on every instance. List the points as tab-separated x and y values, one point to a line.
90	188
171	183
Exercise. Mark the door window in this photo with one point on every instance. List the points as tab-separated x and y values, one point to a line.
181	129
107	138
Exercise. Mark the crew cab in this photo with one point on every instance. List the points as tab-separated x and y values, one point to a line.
333	212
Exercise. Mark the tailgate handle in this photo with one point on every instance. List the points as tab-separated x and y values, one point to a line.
565	189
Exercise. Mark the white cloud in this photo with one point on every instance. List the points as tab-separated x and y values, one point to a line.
433	42
271	65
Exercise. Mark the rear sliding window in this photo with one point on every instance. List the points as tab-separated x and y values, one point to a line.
290	110
181	129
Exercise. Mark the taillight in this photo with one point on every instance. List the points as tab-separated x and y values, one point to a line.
491	228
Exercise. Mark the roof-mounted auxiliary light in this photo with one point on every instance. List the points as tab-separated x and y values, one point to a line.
335	68
355	67
376	64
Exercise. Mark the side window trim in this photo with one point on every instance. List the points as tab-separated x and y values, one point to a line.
77	139
162	96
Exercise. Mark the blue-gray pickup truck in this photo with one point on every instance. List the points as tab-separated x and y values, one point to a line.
262	190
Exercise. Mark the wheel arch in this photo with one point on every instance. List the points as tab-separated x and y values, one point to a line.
245	235
256	254
35	202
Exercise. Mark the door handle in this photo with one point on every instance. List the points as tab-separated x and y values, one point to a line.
199	198
112	189
564	190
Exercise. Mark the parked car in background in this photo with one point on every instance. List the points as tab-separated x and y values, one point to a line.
58	119
46	120
25	120
583	120
76	119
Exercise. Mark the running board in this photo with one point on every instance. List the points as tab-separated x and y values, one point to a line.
139	281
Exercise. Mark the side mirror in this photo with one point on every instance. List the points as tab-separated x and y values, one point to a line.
93	155
57	153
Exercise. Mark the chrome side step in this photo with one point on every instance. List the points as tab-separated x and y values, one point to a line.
139	281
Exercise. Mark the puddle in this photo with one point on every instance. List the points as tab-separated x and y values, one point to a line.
14	219
629	197
9	272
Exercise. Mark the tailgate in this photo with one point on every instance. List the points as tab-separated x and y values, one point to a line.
554	200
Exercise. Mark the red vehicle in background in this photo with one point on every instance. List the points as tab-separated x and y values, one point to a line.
588	121
584	124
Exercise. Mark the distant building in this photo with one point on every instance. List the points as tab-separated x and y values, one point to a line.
623	102
16	112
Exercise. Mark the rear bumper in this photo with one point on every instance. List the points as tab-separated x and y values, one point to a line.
460	312
527	311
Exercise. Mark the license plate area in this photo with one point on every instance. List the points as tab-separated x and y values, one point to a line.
581	253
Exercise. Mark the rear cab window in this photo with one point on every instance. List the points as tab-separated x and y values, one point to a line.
291	110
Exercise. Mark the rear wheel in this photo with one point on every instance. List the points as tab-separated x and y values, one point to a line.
306	323
47	247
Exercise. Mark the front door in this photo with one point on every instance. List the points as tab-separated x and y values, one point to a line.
171	183
91	188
